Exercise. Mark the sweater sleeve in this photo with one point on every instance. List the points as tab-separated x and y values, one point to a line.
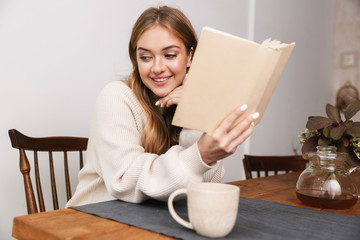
129	173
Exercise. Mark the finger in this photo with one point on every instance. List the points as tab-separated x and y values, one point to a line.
242	126
172	101
161	102
241	138
230	141
245	132
167	101
229	120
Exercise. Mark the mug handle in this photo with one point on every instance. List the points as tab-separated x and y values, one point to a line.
172	210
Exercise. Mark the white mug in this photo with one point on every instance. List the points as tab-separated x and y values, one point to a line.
212	208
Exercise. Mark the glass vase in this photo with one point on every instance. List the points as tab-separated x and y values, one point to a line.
327	181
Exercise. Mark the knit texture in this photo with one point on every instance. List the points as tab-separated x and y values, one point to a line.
117	167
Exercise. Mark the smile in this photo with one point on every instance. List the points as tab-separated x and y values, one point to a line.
160	79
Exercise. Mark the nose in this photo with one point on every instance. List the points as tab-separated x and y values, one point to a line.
158	66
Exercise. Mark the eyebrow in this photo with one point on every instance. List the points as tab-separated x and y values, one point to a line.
166	48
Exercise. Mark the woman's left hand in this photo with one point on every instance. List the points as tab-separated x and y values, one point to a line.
171	99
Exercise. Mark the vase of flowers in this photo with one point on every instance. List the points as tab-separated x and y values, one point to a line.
333	130
332	146
327	181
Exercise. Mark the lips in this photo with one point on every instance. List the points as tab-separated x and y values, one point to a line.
161	81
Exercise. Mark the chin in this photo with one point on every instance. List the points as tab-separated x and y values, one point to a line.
162	94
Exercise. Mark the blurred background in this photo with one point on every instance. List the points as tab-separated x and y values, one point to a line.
55	57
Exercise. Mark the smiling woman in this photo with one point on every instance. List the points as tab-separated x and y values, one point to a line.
134	153
61	57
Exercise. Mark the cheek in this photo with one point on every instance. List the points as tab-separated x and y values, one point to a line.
143	69
179	67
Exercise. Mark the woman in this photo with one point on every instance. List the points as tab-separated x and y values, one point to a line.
134	153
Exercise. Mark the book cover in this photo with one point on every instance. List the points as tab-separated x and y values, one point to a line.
226	72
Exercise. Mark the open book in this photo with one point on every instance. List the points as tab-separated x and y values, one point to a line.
226	72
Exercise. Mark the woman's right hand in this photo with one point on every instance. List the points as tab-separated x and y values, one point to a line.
173	98
224	140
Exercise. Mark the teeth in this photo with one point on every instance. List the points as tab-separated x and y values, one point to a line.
160	79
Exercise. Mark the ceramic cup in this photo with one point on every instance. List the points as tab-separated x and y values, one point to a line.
212	208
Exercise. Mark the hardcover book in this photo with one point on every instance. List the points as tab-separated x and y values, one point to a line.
226	72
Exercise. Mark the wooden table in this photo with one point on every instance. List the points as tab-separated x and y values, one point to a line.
71	224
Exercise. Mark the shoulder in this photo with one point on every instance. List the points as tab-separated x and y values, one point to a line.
118	92
116	88
116	103
117	98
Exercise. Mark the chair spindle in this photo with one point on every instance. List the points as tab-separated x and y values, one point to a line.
67	177
38	183
53	182
29	192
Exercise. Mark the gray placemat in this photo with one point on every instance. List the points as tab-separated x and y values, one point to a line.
257	219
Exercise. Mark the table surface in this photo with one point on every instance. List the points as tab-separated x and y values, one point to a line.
72	224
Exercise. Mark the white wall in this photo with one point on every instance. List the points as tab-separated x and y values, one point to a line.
55	56
305	86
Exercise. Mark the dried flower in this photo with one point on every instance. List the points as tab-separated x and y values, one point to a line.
306	134
355	144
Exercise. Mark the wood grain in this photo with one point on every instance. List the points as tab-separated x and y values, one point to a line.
71	224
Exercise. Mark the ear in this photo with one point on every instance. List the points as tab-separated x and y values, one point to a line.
189	58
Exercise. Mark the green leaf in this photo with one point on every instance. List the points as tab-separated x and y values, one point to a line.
352	109
326	131
333	113
315	123
324	141
337	132
348	124
354	131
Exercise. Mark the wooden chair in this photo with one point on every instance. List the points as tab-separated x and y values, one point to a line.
50	145
272	163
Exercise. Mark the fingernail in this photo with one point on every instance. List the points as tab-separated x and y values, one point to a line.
157	103
162	105
243	107
253	124
255	115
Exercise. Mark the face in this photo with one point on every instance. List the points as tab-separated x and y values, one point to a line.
162	60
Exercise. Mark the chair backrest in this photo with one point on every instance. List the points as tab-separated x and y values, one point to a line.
274	164
50	145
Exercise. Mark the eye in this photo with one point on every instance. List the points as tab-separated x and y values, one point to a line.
170	55
145	57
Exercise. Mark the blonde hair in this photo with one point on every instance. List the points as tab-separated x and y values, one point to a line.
159	135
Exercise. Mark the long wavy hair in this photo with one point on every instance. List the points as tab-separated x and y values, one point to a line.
159	135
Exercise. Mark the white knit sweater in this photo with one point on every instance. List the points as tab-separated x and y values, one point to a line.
117	167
